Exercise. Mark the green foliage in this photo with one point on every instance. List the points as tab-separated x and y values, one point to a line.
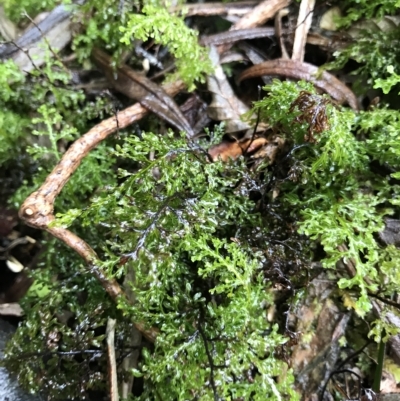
16	10
13	127
61	340
374	51
204	241
166	29
386	84
373	48
56	117
340	199
101	27
174	217
357	9
381	129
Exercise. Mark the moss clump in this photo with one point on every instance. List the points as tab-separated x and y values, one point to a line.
207	243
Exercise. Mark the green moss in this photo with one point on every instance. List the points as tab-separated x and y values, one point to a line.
206	241
158	24
17	10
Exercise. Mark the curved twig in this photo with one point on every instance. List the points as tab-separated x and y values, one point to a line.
298	70
38	209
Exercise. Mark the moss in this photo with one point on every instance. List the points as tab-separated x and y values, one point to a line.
207	241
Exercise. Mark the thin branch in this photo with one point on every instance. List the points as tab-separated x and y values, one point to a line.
112	366
210	362
44	37
38	209
336	372
256	17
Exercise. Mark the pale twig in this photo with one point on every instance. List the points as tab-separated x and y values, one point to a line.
257	17
303	26
112	366
278	30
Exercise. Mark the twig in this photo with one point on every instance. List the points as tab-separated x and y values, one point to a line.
236	36
303	26
257	121
38	208
257	17
278	31
211	9
336	372
295	69
112	366
210	362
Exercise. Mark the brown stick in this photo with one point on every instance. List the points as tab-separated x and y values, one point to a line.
238	8
260	14
38	208
236	36
112	364
256	17
295	69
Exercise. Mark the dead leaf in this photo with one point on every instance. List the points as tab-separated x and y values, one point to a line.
31	48
269	149
8	30
391	233
388	383
194	110
14	265
146	92
225	105
232	150
329	19
386	24
12	309
321	324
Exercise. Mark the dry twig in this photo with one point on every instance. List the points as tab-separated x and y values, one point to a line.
303	26
38	208
257	17
295	69
112	366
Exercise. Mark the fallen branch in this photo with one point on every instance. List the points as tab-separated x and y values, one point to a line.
112	365
298	70
38	209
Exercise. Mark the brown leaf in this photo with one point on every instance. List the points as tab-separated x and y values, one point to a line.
232	150
269	149
146	92
295	69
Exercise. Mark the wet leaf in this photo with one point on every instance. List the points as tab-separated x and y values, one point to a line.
232	150
146	92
